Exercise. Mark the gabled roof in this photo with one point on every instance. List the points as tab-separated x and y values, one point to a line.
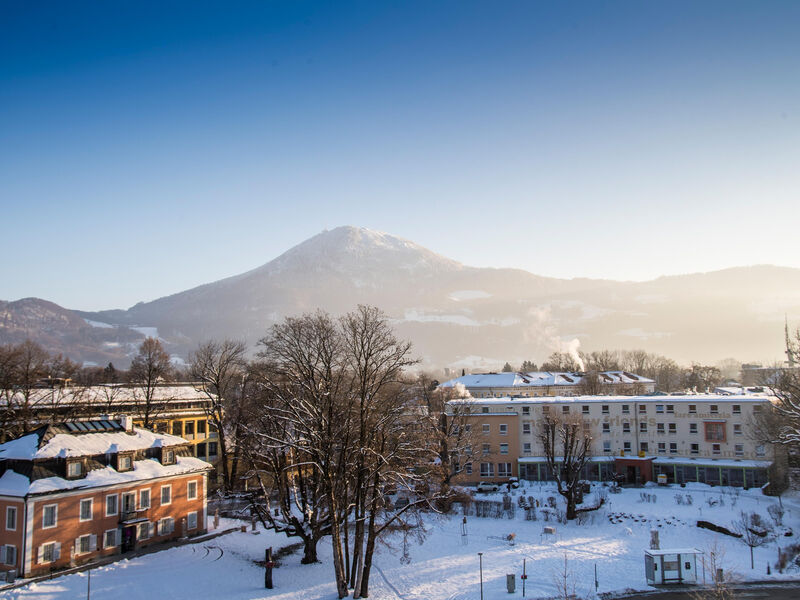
541	379
83	438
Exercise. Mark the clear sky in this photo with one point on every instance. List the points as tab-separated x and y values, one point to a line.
148	147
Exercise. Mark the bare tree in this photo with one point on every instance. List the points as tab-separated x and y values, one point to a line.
722	579
221	369
565	582
755	531
149	367
567	446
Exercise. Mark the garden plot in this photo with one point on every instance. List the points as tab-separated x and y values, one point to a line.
442	563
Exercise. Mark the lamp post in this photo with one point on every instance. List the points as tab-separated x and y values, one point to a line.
480	559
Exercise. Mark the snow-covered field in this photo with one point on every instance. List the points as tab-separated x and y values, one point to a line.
444	566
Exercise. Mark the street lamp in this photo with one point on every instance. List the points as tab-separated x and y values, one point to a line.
480	559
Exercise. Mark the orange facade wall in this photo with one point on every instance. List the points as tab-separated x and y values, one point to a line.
69	526
13	537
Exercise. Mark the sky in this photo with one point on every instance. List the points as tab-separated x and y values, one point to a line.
149	147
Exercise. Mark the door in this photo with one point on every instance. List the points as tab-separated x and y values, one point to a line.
649	571
128	538
671	568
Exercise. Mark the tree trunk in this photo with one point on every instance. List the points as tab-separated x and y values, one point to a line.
346	529
336	542
309	550
752	563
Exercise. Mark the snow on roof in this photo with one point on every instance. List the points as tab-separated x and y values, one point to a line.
665	551
712	462
14	484
64	445
108	395
689	398
540	379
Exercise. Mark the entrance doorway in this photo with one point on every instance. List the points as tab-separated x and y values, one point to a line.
128	538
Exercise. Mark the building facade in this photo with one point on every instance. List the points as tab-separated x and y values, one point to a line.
74	492
547	383
634	438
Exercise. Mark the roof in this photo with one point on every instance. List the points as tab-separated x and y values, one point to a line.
665	551
105	397
15	484
712	462
62	441
540	379
689	399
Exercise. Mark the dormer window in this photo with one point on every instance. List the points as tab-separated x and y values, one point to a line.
124	462
167	456
74	469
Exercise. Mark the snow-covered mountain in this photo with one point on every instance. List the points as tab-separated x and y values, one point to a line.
458	315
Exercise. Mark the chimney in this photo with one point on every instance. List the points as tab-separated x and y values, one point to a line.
126	422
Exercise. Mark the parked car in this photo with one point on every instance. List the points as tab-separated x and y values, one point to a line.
488	486
512	483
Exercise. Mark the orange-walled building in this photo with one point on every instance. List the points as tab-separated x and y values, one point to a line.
78	491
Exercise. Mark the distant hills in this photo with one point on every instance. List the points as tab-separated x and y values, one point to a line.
456	315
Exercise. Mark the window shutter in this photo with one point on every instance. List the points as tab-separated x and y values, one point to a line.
40	555
93	543
3	555
57	551
77	546
152	530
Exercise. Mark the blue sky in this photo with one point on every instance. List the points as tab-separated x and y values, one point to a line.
150	147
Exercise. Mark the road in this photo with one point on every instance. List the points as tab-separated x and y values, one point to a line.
789	591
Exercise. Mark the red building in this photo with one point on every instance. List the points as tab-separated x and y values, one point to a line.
74	492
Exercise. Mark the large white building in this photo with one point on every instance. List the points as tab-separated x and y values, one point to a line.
700	437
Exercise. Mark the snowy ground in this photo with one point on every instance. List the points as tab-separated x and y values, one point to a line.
444	566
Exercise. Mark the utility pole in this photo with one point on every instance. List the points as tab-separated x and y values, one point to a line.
480	558
88	584
524	576
268	564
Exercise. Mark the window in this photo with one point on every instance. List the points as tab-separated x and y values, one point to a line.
468	468
49	516
124	463
692	409
756	409
503	448
8	555
673	428
643	427
713	409
737	409
191	490
715	449
504	469
626	446
671	409
626	409
526	428
74	469
166	526
11	518
738	449
144	499
468	450
526	447
128	502
166	494
626	427
486	428
659	408
695	449
487	469
565	409
585	409
191	520
715	432
168	457
604	409
49	552
761	450
201	427
468	427
642	409
673	447
177	428
112	505
659	428
643	446
606	427
503	429
737	429
545	409
85	544
526	410
86	509
692	427
188	428
485	409
662	448
110	538
487	448
607	446
145	531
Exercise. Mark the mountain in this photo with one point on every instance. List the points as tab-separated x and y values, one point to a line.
458	315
